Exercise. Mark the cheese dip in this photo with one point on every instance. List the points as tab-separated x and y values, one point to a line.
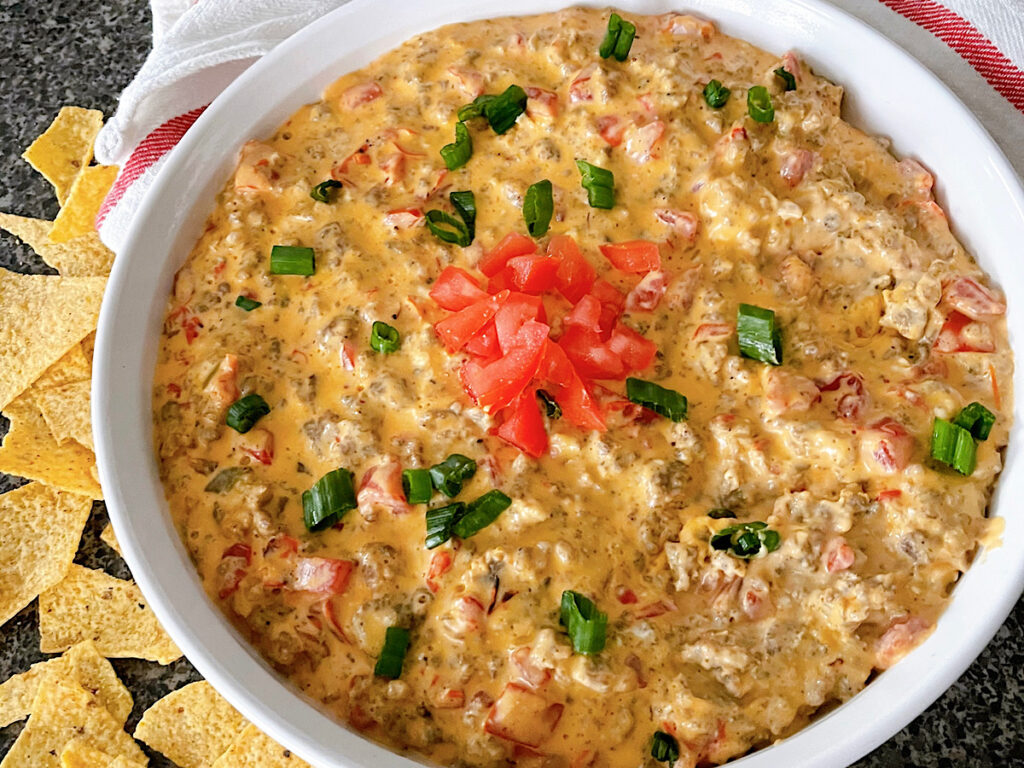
641	414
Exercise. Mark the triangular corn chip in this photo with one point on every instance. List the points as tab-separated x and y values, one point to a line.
254	749
66	412
78	216
65	148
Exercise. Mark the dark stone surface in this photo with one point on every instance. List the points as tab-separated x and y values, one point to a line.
71	52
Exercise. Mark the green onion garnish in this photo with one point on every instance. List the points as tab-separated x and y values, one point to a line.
292	260
716	94
759	104
976	419
501	110
450	474
788	81
324	191
392	655
480	513
329	499
417	486
665	402
446	227
664	748
551	406
720	513
384	338
245	412
457	154
440	521
954	446
464	202
586	624
247	304
538	206
618	39
759	337
745	540
599	183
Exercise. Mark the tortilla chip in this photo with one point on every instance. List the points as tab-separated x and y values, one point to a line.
78	216
40	528
35	233
66	412
43	318
192	726
63	711
107	537
71	368
78	754
30	450
81	664
84	256
90	605
254	749
65	148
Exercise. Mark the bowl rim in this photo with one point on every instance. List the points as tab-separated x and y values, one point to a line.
127	473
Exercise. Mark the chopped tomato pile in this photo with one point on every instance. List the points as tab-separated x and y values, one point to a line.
505	329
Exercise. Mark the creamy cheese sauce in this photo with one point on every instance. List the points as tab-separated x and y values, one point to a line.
804	215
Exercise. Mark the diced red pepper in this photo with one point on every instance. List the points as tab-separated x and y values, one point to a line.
636	352
457	329
495	385
440	564
533	273
512	245
456	289
636	256
575	274
524	426
578	405
514	312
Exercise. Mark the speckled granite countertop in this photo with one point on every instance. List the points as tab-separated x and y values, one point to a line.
73	52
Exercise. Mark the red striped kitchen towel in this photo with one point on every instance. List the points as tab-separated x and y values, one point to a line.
200	46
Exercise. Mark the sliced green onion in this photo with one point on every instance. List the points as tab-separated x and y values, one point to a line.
759	104
504	109
450	474
976	419
665	402
551	406
586	625
324	191
944	440
788	81
599	183
292	260
480	513
464	202
720	513
384	338
965	453
417	486
664	748
457	154
446	227
745	540
611	36
392	655
759	337
475	109
440	521
247	304
245	412
329	499
716	94
538	206
625	41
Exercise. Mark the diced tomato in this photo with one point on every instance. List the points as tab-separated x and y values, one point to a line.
191	326
612	304
259	444
457	329
485	343
281	545
646	295
382	487
495	385
884	496
902	636
627	596
450	698
533	273
888	445
530	672
360	94
230	580
512	245
580	89
852	400
501	282
578	405
655	609
523	426
586	314
638	256
222	389
465	617
683	223
590	356
961	334
522	716
514	312
837	555
404	218
795	166
640	140
541	102
393	165
322	574
612	128
685	25
469	80
712	331
970	298
635	351
456	289
440	564
359	157
575	275
240	550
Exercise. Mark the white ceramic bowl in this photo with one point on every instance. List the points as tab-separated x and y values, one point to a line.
888	93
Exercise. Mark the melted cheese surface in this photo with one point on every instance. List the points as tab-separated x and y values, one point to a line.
805	215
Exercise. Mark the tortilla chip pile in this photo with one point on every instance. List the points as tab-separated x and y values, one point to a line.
75	704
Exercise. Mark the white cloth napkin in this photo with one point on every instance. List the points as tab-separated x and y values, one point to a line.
199	46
